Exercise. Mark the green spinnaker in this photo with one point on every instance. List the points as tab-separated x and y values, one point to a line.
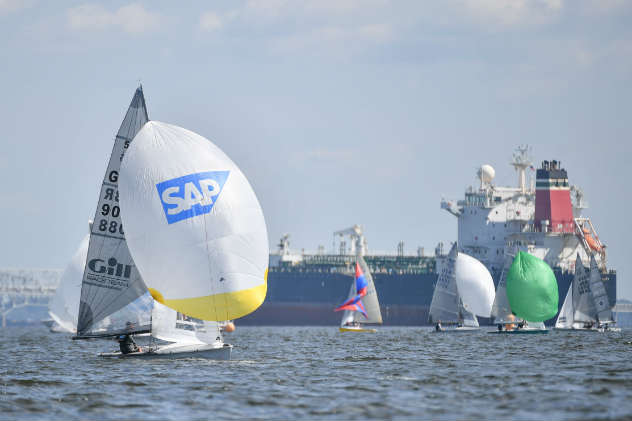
532	288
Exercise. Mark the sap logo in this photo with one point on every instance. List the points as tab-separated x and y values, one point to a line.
190	195
112	268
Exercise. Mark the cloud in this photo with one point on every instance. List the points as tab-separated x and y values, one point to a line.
8	6
132	18
210	21
506	13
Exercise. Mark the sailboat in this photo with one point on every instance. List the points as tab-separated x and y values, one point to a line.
63	307
194	249
464	290
586	306
362	305
526	295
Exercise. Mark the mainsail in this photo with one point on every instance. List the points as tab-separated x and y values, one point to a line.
193	224
64	306
565	318
501	311
369	301
600	297
446	305
111	280
582	297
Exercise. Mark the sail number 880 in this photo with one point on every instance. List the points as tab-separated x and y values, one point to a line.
112	227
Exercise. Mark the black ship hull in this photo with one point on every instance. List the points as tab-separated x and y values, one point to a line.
308	298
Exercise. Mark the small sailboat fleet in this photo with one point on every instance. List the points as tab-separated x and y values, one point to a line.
194	251
362	305
527	295
464	290
586	306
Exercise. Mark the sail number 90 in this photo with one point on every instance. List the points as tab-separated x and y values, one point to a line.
105	210
112	227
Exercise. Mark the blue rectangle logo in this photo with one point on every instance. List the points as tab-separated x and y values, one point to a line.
190	195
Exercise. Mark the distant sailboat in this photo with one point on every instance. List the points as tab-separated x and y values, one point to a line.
464	289
526	296
196	233
362	305
586	305
63	308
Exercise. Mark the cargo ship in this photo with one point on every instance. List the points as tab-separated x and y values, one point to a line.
543	217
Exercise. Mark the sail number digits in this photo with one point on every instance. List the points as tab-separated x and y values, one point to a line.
110	212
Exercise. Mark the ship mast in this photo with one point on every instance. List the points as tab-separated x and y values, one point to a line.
522	161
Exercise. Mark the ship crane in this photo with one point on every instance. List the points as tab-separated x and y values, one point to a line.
358	242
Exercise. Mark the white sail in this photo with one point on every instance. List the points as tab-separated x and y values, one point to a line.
565	318
369	301
600	296
193	224
64	306
169	325
501	311
475	285
348	316
445	305
583	305
110	279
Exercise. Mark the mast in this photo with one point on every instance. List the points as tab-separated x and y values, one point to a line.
110	279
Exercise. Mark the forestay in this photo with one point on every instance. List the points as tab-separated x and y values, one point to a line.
111	280
193	224
64	306
600	296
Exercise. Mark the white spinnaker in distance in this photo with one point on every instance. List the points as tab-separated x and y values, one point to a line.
64	306
474	285
111	280
193	224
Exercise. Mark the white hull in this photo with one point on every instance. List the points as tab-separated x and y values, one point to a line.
210	352
594	329
460	329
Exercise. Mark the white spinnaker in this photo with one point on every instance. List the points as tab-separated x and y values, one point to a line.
171	326
583	305
474	285
110	279
193	224
64	306
565	318
369	301
445	305
600	296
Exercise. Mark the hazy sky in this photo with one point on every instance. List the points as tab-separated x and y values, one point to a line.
338	111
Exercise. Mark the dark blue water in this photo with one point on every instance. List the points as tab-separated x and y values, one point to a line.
318	373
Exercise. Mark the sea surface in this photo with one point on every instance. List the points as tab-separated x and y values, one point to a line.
319	373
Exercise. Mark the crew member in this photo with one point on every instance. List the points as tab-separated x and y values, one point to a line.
127	344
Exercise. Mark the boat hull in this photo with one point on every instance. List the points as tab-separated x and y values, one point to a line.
173	351
598	330
357	329
460	329
521	332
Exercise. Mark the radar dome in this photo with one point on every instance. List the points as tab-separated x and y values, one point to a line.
487	173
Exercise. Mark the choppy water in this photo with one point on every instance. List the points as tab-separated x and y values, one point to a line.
318	373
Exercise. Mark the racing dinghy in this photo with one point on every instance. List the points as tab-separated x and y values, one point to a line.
464	290
362	305
586	307
526	296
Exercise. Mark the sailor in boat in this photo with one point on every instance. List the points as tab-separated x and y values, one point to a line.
126	343
438	327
